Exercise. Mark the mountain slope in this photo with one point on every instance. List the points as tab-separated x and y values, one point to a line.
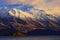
16	20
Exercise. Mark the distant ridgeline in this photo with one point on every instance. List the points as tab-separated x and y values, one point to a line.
18	22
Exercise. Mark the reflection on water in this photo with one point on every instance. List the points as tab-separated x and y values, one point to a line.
31	38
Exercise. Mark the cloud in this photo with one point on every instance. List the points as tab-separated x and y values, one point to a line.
50	6
11	2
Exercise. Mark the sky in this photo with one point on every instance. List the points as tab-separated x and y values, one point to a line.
50	6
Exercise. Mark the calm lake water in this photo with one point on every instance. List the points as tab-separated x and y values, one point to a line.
30	38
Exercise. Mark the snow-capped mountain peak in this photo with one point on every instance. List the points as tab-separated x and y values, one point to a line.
20	14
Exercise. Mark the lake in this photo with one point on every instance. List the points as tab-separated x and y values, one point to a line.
30	38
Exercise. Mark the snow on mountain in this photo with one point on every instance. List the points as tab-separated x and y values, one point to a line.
36	17
22	15
39	14
33	19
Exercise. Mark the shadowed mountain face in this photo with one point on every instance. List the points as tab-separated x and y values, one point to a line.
17	22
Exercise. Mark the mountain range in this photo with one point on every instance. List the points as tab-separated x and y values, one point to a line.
17	22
